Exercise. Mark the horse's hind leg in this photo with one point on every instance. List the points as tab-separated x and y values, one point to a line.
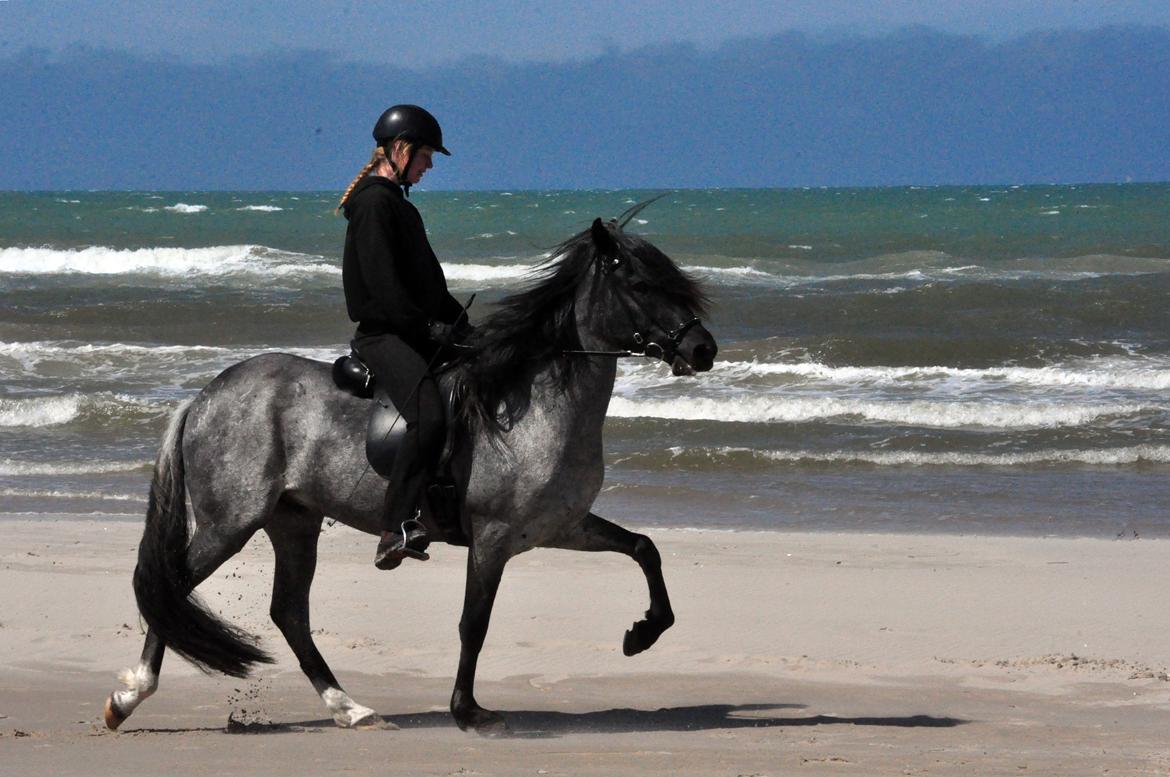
140	682
597	534
294	533
208	549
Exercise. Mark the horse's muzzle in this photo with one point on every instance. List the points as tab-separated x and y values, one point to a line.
696	352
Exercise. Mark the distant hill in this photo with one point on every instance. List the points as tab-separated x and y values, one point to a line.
914	107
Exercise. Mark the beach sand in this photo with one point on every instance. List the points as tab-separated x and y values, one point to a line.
793	654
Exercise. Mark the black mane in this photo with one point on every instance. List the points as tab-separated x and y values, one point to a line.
537	325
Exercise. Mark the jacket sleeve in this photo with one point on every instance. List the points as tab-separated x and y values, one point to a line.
381	268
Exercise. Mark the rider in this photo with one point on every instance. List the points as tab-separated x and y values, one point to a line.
396	292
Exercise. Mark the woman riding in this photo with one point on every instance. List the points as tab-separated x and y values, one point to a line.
396	292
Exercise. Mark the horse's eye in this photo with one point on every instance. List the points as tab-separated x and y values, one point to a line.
640	287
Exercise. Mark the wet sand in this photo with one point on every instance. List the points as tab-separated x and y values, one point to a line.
794	654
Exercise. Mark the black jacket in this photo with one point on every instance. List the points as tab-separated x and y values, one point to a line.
392	279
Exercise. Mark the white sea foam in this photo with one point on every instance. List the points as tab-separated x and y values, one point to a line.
734	274
42	494
104	359
159	370
490	235
39	411
166	261
915	413
182	207
67	408
262	208
487	273
1137	454
67	348
1137	374
73	349
17	467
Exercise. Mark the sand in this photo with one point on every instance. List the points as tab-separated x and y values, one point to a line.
794	654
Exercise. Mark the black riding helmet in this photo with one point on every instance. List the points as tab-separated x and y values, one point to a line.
410	123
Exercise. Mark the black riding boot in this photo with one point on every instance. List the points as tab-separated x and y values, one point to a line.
404	374
410	541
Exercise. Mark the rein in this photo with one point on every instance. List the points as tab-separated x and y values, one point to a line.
674	338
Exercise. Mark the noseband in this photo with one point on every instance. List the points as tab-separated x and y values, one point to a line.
673	338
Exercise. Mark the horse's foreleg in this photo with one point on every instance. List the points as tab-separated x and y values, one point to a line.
140	682
294	538
596	534
484	571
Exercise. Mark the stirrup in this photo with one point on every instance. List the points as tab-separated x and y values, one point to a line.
410	542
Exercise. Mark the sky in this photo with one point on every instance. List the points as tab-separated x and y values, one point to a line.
230	95
423	34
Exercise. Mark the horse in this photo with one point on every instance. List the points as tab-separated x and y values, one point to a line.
271	443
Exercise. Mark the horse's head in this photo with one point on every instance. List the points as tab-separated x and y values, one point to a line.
640	301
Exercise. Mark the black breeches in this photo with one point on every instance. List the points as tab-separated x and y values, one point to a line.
400	370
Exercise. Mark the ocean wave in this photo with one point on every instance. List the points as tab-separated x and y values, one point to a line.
1137	454
34	349
41	411
73	350
163	261
1138	374
487	273
916	413
71	408
12	467
490	235
262	208
915	268
740	273
54	494
182	207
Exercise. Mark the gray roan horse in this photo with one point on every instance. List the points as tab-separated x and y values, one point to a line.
273	444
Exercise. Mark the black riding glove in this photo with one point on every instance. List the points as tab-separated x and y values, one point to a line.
440	333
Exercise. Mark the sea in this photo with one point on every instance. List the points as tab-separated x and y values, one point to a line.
962	360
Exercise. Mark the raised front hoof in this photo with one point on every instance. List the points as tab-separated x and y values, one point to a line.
643	634
483	722
114	717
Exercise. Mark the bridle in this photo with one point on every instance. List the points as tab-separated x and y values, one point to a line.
650	348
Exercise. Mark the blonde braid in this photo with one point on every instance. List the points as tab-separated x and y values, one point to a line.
375	159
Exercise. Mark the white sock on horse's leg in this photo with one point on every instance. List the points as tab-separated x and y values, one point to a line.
140	683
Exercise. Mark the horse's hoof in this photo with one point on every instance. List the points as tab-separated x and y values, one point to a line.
364	718
641	636
113	715
484	722
492	726
373	722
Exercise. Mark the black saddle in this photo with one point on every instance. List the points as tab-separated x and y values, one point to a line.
385	430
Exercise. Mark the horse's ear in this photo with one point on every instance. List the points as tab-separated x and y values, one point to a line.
602	238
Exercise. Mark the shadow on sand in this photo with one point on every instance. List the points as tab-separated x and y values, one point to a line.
526	723
545	724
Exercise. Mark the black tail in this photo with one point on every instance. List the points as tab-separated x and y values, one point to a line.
162	579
